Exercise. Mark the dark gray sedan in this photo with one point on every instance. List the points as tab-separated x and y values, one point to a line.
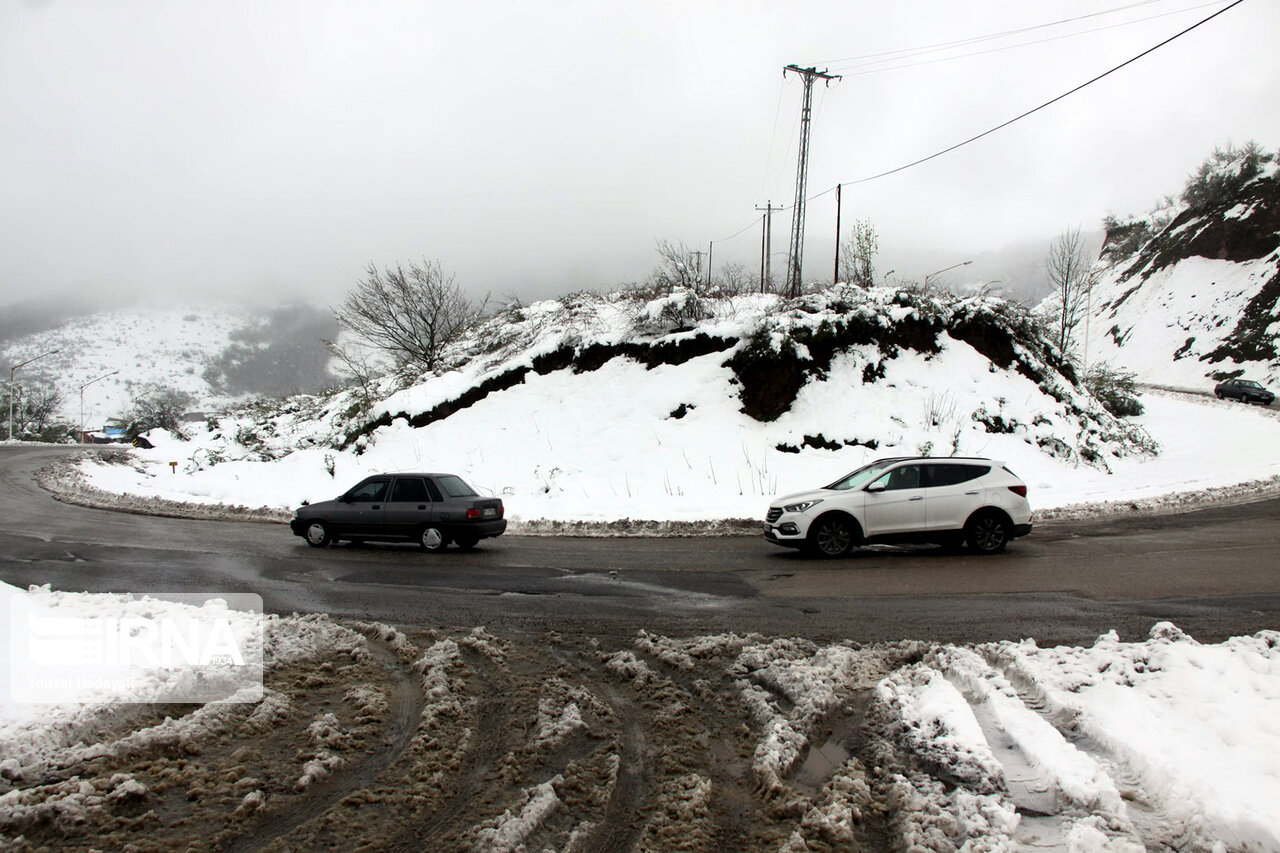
1244	390
430	509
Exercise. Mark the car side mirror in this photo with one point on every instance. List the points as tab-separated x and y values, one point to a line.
875	487
344	499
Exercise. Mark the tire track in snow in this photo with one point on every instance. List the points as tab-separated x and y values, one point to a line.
1152	823
735	802
406	704
489	743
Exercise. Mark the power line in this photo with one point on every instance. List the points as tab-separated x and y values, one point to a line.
742	230
1047	40
773	138
988	37
1034	110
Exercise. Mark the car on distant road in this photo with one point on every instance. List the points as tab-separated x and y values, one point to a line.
1244	390
430	509
908	499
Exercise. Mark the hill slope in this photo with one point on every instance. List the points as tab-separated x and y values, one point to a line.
214	354
1200	299
674	406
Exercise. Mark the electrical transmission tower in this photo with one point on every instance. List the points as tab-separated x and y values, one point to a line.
796	252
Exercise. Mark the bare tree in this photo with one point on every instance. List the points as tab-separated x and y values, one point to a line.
160	409
411	315
354	362
41	406
735	278
1072	277
678	267
35	408
858	254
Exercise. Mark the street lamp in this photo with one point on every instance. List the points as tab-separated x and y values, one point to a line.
13	370
941	271
84	386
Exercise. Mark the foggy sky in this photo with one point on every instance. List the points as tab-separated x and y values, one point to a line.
263	148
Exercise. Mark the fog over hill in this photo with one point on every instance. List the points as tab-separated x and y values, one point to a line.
215	354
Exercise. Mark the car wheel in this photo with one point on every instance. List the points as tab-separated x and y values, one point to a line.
433	539
466	543
317	534
832	536
987	533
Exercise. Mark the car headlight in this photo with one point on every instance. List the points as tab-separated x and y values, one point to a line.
801	507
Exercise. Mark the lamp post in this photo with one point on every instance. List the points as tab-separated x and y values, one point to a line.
84	386
13	370
941	271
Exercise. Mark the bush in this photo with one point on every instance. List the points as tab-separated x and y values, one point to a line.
1221	176
1114	389
161	409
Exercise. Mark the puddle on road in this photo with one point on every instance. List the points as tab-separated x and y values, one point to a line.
820	764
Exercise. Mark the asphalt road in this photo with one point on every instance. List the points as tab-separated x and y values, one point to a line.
1213	572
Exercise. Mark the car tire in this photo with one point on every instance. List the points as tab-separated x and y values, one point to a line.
466	543
833	535
317	534
432	539
987	533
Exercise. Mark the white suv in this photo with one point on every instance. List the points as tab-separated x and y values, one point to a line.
906	499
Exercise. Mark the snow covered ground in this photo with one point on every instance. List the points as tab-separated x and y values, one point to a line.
453	737
712	464
147	348
1165	744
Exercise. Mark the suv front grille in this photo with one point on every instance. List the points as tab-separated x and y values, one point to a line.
775	513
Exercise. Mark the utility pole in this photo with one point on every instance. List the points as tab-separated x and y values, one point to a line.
84	386
13	370
698	275
794	253
835	275
766	248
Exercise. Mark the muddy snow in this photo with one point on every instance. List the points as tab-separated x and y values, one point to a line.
369	736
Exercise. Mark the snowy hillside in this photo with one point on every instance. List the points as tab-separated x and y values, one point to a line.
192	349
1199	299
151	348
675	407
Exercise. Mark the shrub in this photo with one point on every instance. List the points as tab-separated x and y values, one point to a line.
1223	174
1114	389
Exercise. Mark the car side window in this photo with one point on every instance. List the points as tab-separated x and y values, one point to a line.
953	475
906	477
409	490
434	491
374	490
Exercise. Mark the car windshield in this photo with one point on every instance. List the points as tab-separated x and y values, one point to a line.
455	487
863	475
1249	383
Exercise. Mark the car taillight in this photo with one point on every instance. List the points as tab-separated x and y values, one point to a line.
473	513
1020	491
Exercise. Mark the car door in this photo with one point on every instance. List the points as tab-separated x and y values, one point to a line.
953	495
895	502
409	507
363	506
